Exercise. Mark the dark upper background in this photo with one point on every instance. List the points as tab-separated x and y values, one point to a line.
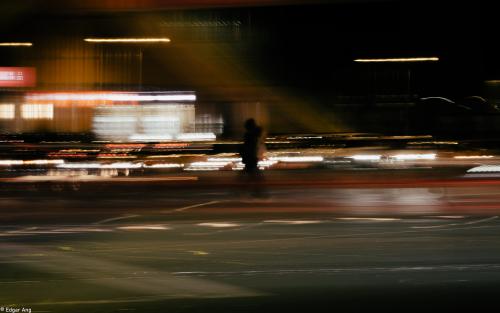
303	47
302	44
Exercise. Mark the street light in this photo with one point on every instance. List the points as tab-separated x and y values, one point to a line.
399	60
404	60
15	44
128	40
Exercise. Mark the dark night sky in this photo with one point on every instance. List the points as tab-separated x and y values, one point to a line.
311	47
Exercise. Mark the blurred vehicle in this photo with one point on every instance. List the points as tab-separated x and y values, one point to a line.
470	117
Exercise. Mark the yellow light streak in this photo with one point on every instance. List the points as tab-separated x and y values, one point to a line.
128	40
15	44
426	59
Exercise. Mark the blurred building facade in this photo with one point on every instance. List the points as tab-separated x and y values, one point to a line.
289	65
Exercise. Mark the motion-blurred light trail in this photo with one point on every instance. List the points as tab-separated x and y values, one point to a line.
128	40
16	44
420	59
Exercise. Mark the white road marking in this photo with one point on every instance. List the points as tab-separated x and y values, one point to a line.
20	282
294	222
219	224
51	231
194	206
144	227
458	267
116	219
372	219
457	224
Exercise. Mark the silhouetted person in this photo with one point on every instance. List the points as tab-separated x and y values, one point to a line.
252	142
251	152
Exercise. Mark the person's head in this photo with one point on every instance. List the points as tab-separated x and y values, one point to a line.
250	124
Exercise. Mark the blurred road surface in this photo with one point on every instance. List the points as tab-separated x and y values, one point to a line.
315	241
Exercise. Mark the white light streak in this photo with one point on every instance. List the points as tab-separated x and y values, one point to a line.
80	165
30	162
420	59
122	165
209	164
146	138
117	165
265	163
294	222
43	162
224	159
144	227
433	143
473	156
374	219
16	44
164	165
484	169
366	157
111	96
440	98
292	159
128	40
196	136
219	225
412	157
304	137
10	162
115	119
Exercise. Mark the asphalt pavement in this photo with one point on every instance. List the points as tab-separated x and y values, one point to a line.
297	241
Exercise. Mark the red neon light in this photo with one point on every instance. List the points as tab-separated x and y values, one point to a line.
17	76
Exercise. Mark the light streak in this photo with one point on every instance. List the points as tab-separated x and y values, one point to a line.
484	169
473	156
294	222
385	60
408	157
224	159
366	157
30	162
164	165
16	44
111	96
196	136
128	40
292	159
374	219
219	224
144	227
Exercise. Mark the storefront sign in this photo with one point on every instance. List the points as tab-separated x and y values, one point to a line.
17	77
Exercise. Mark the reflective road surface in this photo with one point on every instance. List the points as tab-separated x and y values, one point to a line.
301	241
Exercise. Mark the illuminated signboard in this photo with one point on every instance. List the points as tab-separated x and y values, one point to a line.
17	76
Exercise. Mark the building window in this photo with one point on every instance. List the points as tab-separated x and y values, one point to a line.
37	111
7	111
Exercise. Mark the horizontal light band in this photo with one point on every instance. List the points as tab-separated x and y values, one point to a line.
366	157
485	169
408	157
15	44
110	97
128	40
430	59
